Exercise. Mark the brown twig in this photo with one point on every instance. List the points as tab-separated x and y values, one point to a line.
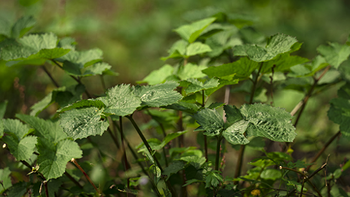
50	76
86	175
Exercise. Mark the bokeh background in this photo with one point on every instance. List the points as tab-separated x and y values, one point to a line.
134	34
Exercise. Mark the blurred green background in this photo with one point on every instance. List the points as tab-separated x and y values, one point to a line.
134	35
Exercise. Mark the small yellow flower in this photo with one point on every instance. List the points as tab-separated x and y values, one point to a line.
255	192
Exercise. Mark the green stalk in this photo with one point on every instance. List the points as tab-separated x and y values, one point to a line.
242	148
125	160
205	137
217	158
150	151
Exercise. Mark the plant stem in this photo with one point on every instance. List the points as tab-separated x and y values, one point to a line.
151	152
87	176
46	190
113	138
307	96
125	160
323	149
204	136
48	74
242	148
217	158
73	180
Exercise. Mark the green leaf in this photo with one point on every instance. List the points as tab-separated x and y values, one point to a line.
232	114
17	190
82	58
55	150
5	178
121	100
191	71
271	174
83	103
234	133
22	26
334	53
339	112
21	149
15	128
96	69
196	86
81	123
282	63
177	50
158	95
197	48
213	179
50	131
158	76
194	157
32	47
241	69
192	31
270	122
210	121
157	145
53	158
5	28
184	106
173	168
276	44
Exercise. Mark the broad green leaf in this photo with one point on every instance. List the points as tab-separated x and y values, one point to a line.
213	179
192	31
195	85
81	123
177	50
190	70
158	76
216	105
197	48
22	26
232	114
184	106
173	168
334	53
76	69
21	149
282	63
18	189
67	43
83	103
242	69
270	122
53	158
271	174
41	105
194	157
121	100
15	128
339	112
158	95
234	133
32	47
83	58
156	172
5	178
5	28
210	122
96	69
276	44
222	82
50	131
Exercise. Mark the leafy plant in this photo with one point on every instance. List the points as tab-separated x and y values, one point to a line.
211	54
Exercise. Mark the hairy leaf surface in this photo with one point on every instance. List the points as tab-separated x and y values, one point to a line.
15	128
5	178
210	121
83	103
235	133
276	44
270	122
158	95
21	149
191	71
339	112
334	53
121	100
197	48
81	123
195	85
22	26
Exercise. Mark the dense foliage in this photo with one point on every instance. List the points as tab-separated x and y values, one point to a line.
177	100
